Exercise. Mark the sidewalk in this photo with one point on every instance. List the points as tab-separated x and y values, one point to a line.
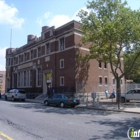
106	104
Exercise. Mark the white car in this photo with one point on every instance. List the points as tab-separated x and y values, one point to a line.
15	94
133	94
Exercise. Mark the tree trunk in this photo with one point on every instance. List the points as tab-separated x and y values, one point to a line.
118	92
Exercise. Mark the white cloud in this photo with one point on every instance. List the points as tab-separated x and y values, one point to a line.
57	20
2	58
8	15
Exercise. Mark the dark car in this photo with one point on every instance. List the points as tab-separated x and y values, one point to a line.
61	100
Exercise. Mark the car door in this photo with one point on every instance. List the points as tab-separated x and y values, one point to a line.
9	94
130	95
52	100
58	99
137	95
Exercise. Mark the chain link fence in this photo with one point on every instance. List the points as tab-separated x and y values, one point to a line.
84	91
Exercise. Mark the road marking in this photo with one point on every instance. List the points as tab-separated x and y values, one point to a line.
7	137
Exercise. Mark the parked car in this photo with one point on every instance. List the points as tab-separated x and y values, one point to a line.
61	100
16	94
133	94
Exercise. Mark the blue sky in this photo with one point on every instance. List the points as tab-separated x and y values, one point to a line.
26	17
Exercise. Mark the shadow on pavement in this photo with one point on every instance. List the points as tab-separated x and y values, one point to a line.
53	109
120	128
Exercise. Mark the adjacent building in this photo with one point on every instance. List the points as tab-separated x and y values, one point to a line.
2	82
52	59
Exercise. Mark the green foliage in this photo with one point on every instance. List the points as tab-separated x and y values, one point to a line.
135	72
111	27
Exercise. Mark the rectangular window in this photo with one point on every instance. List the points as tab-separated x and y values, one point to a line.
9	62
25	56
14	60
19	79
48	48
12	80
105	65
62	63
1	75
100	80
114	81
27	78
32	54
39	51
19	58
62	81
121	82
31	76
100	64
105	80
24	78
0	80
62	44
39	77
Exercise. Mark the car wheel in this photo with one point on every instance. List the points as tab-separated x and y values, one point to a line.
62	105
12	98
73	106
122	99
46	103
5	97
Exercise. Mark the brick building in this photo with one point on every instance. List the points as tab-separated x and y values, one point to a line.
2	81
52	59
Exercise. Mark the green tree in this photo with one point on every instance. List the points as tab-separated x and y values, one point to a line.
135	72
111	28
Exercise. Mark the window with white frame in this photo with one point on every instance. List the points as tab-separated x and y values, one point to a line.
100	80
39	77
114	81
39	51
105	65
48	48
62	44
106	82
100	64
62	81
61	63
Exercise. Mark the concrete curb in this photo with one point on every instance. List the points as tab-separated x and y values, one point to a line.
102	109
86	107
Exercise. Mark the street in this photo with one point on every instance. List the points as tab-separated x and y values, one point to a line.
34	121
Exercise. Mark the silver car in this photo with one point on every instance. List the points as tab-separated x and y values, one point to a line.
133	94
15	94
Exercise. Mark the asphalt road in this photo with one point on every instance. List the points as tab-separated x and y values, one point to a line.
33	121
